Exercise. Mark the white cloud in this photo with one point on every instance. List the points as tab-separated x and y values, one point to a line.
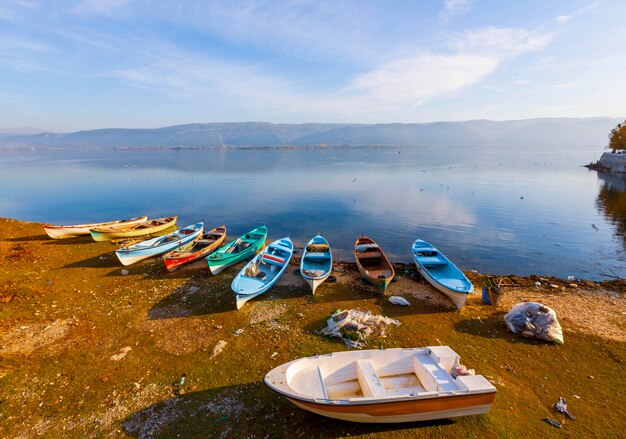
564	18
522	82
423	76
454	7
500	42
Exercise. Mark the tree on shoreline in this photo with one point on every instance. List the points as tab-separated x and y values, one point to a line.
617	137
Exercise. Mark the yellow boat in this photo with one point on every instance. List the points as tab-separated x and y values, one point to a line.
148	227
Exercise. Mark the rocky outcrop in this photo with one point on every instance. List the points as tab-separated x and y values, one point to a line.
614	162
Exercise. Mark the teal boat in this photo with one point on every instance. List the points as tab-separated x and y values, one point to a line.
237	250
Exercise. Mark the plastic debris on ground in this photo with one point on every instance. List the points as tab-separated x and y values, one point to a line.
554	423
460	370
219	347
354	327
561	406
397	300
534	320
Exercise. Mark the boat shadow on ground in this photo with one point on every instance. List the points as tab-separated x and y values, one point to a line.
49	241
29	238
106	260
491	327
243	410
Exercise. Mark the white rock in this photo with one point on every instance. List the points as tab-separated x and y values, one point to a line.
397	300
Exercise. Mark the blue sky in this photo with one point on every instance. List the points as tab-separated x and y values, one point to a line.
82	64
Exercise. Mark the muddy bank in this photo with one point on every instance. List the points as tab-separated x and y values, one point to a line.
87	351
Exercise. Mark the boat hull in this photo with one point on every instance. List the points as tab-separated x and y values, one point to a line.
246	287
384	267
111	235
325	264
172	263
128	256
404	411
218	261
383	385
457	298
72	231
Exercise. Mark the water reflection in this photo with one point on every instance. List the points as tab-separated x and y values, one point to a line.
612	200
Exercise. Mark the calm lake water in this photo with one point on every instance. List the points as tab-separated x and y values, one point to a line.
497	210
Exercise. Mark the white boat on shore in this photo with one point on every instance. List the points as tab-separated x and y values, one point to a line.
441	273
383	386
72	231
317	262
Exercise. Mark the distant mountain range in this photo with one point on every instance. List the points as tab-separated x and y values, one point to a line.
530	132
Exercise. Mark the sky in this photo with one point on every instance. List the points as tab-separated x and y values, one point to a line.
68	65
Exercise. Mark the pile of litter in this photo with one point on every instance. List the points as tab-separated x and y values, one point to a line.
534	320
354	327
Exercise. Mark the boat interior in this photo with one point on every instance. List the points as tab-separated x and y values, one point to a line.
316	261
154	223
268	264
441	269
422	372
373	261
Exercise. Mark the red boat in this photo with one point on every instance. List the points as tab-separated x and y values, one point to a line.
202	247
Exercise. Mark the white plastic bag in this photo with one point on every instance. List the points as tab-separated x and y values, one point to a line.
354	327
534	320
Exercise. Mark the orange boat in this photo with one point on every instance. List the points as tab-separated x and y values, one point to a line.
200	248
372	263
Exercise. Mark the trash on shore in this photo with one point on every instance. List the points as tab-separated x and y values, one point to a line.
217	349
397	300
554	423
561	406
534	320
122	354
354	327
238	331
125	272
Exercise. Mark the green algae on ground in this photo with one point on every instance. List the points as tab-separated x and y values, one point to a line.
80	313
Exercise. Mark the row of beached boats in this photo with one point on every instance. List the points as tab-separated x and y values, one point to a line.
375	386
264	269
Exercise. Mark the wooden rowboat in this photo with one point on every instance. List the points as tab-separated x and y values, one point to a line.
373	263
384	386
200	248
317	262
148	227
261	273
235	251
441	273
159	245
71	231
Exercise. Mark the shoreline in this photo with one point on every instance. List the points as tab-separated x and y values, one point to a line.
88	351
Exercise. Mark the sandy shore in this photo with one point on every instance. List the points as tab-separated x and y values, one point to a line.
88	351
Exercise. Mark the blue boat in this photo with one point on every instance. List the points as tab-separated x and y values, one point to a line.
441	273
159	245
263	271
317	262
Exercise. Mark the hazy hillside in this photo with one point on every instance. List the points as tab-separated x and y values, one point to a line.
553	131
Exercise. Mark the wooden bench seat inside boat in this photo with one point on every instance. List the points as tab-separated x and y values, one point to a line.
370	255
370	382
317	256
432	376
432	261
205	241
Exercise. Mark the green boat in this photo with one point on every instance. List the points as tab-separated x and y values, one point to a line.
237	250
